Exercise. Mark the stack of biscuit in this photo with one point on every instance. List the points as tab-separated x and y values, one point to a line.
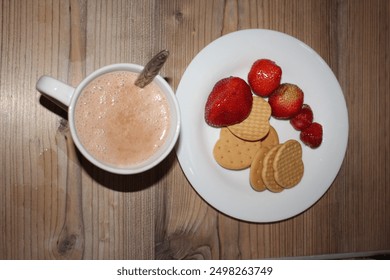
254	144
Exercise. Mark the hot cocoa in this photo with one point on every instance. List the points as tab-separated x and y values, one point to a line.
120	123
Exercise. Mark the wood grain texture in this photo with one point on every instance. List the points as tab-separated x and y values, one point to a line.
55	205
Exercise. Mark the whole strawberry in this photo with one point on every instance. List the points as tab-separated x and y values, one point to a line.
264	77
312	135
303	119
229	102
286	101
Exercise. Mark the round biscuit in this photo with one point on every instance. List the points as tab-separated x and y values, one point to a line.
271	139
256	169
267	173
256	125
232	152
288	165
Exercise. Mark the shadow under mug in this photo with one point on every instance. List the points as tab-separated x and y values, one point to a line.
67	97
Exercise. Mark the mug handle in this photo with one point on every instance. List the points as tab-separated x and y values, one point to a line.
56	90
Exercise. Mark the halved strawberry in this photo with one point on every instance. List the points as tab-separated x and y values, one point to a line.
303	119
312	135
286	101
229	102
264	77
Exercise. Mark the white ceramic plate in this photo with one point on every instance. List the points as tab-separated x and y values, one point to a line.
230	191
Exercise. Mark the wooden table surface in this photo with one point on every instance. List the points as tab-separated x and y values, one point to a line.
55	205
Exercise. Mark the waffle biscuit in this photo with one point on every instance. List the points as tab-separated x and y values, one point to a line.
256	125
271	139
288	165
267	173
232	152
256	169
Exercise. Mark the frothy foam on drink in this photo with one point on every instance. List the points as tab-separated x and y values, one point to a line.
120	123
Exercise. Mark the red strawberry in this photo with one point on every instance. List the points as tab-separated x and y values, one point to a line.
229	102
286	101
312	135
303	119
264	77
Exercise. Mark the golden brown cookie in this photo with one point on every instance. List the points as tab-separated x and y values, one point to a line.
268	171
271	139
256	125
288	165
232	152
256	169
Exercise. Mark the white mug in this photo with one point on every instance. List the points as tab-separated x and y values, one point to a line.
68	96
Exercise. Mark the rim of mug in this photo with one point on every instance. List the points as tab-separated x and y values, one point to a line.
161	153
